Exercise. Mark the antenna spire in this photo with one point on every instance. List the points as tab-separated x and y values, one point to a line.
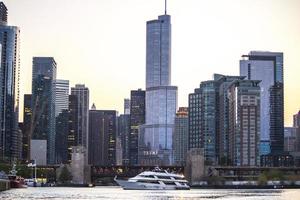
165	7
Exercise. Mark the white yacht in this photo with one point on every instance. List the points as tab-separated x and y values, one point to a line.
154	180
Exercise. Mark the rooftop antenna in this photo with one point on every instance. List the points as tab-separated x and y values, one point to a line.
165	7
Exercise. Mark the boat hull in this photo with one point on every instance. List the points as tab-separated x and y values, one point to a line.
127	185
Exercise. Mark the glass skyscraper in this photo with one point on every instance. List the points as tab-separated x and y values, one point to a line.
43	103
268	67
161	98
9	88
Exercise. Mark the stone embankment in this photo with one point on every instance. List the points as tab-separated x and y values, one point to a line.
4	185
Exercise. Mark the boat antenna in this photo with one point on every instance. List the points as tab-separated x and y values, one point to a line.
165	7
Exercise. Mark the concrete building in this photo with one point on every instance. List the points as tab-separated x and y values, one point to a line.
180	136
43	103
268	67
9	88
102	137
161	98
244	122
126	106
61	88
137	118
38	151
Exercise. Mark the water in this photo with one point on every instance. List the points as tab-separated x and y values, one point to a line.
108	193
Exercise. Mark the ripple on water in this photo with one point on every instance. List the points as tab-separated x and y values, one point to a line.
107	193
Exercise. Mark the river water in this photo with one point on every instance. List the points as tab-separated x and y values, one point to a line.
107	193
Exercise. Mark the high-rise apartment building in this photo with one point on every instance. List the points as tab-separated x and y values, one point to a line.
61	88
244	122
137	118
215	120
161	97
81	112
180	136
9	88
102	137
43	103
268	67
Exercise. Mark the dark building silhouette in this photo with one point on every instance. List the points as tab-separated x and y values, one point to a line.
102	137
82	114
61	137
10	134
73	120
180	136
26	127
43	103
123	134
137	118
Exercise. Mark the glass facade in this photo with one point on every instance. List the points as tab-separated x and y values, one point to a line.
102	137
268	67
43	103
137	118
9	90
155	144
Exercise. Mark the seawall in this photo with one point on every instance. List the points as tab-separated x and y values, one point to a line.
4	185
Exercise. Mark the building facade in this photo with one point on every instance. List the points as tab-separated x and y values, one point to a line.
123	135
26	129
244	117
102	137
180	136
161	98
9	88
61	137
43	103
137	118
61	88
81	112
268	67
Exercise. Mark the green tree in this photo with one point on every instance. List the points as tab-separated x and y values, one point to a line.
65	176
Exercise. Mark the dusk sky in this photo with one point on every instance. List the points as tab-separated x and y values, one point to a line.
102	43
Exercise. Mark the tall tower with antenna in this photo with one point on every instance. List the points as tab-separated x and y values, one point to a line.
155	146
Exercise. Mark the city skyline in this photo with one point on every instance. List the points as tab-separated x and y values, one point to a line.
200	33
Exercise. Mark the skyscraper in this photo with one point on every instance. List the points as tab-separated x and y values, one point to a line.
102	137
217	123
268	67
61	137
180	136
61	88
82	114
26	130
9	88
137	118
244	122
123	135
161	97
126	106
43	103
73	124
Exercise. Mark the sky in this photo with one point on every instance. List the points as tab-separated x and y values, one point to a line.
102	43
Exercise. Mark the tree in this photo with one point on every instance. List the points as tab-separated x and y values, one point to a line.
65	176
